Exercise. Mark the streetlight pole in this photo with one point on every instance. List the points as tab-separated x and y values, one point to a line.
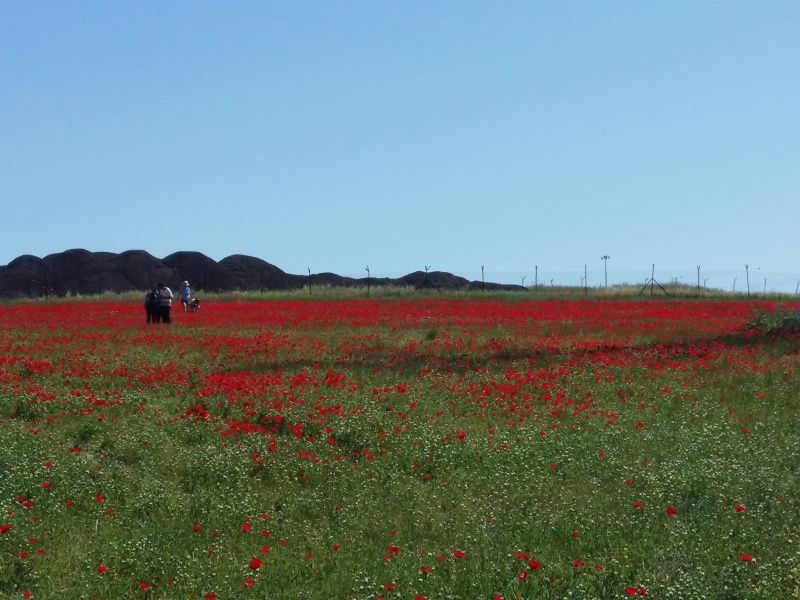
605	266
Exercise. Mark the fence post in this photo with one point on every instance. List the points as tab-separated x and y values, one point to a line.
747	272
585	281
698	280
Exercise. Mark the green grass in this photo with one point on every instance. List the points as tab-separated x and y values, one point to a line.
513	475
674	291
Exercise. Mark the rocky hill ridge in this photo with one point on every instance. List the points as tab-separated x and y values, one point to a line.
83	272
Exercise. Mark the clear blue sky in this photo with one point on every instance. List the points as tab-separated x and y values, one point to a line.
398	135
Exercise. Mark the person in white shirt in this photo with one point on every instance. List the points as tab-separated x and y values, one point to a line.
164	301
186	295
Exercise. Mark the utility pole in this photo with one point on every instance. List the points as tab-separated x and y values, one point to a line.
605	266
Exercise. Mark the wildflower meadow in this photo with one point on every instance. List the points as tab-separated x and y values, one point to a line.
396	448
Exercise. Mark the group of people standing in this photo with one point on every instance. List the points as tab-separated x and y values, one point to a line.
158	302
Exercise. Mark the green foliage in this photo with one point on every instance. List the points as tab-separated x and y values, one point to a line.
769	319
416	443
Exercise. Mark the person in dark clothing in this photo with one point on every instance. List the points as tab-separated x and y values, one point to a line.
149	304
155	307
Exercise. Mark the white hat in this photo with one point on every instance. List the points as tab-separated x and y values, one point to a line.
185	283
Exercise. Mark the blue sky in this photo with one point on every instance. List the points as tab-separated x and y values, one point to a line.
398	135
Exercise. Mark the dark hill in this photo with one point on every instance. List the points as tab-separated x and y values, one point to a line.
80	271
140	270
200	271
249	273
25	276
435	280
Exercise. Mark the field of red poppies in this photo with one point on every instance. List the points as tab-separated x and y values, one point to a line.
427	448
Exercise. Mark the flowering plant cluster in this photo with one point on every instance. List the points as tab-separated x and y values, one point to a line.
433	448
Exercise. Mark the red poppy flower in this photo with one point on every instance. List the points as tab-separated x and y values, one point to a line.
246	527
535	565
671	510
47	485
101	569
255	563
4	528
522	576
388	586
210	596
99	499
426	570
745	557
195	528
577	563
247	582
738	508
143	585
458	554
637	504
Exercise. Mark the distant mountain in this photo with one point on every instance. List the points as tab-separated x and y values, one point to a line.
82	272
